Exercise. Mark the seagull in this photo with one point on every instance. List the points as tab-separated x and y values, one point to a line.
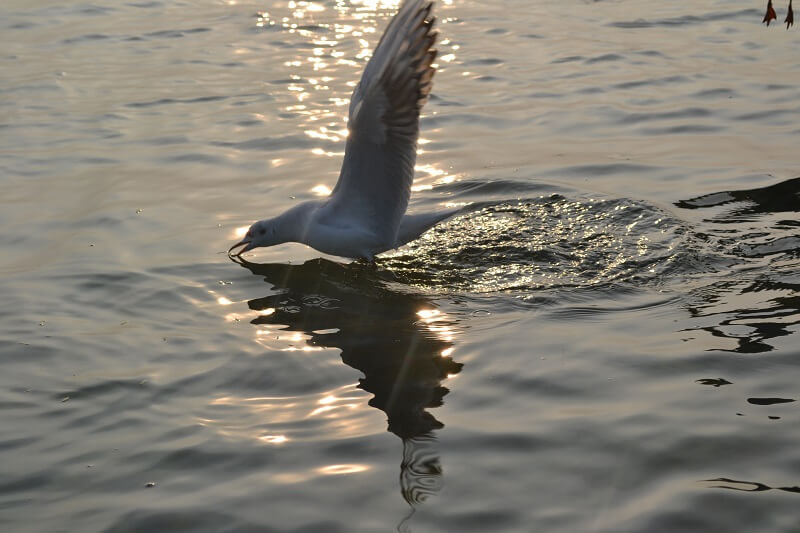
365	214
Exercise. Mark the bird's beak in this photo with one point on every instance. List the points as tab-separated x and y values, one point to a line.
245	243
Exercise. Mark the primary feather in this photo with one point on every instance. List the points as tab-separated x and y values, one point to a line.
378	169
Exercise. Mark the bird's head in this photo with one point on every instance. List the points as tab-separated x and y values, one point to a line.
261	233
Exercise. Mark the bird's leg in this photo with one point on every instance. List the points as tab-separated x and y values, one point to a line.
770	15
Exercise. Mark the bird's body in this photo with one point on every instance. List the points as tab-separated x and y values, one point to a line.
366	213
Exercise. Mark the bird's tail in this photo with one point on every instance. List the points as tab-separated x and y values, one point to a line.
412	226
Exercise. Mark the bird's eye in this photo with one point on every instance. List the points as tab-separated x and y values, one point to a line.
262	231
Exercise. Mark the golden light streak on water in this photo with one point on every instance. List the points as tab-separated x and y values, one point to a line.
428	314
318	69
343	469
321	190
274	439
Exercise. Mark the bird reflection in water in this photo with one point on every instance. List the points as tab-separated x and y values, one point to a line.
380	332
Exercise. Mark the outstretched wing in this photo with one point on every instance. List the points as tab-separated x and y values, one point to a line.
378	169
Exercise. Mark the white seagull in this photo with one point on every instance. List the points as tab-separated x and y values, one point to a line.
366	212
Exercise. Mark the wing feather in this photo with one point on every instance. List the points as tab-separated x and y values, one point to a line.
378	169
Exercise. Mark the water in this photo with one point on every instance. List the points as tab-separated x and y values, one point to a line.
607	341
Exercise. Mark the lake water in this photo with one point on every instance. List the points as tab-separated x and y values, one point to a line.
606	340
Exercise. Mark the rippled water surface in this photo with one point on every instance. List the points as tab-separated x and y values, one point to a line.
606	339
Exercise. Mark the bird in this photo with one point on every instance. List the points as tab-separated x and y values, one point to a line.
365	214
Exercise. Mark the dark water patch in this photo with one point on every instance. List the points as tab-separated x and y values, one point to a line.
604	58
174	34
494	520
314	28
568	59
145	5
546	387
167	101
190	457
769	401
88	38
99	161
635	84
196	519
23	25
768	114
545	95
486	61
95	221
610	169
97	424
105	388
778	87
28	349
272	144
89	9
652	53
645	102
722	92
14	443
686	20
445	102
130	294
300	45
445	120
591	90
287	81
293	380
250	123
688	113
33	88
683	129
79	9
30	481
714	382
166	140
118	282
195	157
